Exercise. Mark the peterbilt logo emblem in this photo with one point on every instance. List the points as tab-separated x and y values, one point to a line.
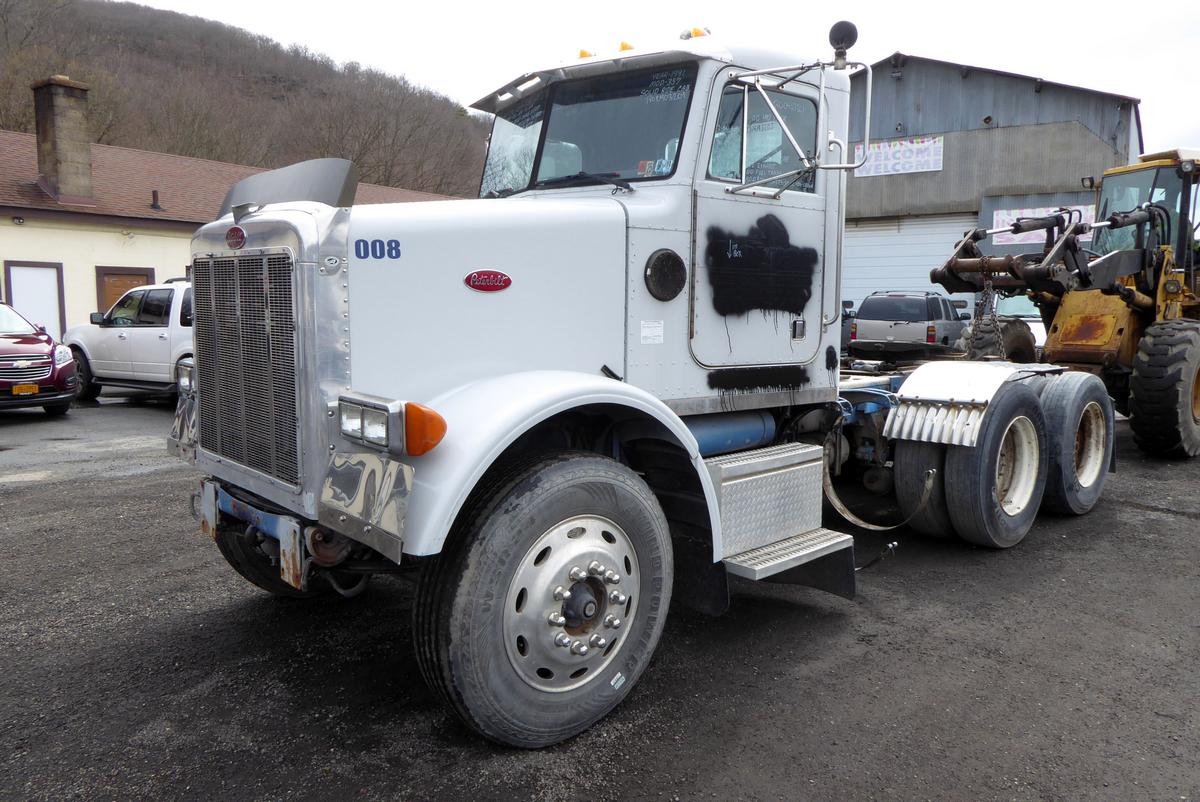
488	281
235	238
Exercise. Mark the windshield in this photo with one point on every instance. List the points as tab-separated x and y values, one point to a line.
1017	306
901	308
624	127
12	323
1124	193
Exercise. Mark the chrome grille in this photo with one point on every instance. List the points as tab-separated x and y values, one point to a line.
32	368
246	362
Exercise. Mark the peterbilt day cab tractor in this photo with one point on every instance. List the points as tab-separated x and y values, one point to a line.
610	382
1125	306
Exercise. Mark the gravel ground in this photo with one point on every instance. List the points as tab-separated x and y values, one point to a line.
139	666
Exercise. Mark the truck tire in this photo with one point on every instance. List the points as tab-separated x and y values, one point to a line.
993	490
88	389
1017	341
910	462
982	338
1164	403
1079	431
242	553
518	661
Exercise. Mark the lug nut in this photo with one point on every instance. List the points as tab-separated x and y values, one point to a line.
577	574
612	622
557	619
561	639
579	647
561	593
596	569
597	642
612	577
617	597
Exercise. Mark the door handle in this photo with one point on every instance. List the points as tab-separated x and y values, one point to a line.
121	336
162	336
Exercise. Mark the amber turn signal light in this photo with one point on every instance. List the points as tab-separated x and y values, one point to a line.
423	429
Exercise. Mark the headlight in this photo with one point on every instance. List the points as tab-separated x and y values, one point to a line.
351	418
184	379
62	355
372	421
375	426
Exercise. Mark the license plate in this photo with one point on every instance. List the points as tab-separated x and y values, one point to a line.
25	389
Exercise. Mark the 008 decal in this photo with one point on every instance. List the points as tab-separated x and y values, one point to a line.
377	249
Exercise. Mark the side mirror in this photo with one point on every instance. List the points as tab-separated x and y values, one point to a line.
847	304
96	318
842	37
964	316
41	328
959	304
1088	182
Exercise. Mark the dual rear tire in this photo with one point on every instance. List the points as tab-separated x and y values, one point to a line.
1029	453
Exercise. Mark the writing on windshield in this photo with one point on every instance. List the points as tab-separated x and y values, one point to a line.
615	127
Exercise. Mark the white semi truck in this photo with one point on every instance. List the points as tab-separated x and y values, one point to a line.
610	382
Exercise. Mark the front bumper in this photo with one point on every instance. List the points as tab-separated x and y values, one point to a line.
363	494
44	396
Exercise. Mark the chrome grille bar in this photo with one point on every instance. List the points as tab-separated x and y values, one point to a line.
246	362
10	373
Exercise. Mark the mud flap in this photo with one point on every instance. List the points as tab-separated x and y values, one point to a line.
833	573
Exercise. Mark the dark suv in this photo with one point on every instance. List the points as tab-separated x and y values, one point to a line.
34	371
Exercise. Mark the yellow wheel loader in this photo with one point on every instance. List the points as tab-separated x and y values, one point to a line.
1125	306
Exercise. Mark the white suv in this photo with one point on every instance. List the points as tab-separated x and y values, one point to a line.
138	343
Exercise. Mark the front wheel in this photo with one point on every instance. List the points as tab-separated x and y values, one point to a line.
548	600
88	389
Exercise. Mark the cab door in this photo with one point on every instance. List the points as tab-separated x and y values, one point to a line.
759	258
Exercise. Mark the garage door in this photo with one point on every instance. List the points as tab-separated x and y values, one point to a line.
35	290
898	253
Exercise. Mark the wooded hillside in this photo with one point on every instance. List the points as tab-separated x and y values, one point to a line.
168	82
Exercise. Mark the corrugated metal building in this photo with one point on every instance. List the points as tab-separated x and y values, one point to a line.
953	147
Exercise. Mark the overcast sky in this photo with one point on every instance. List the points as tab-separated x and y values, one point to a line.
1147	50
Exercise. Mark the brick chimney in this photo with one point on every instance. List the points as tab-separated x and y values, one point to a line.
64	151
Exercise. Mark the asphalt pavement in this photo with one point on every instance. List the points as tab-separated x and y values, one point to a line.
137	665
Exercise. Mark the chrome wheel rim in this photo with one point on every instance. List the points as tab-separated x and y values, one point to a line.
1017	466
1090	437
568	602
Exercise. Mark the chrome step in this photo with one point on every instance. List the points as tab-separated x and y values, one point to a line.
766	495
773	558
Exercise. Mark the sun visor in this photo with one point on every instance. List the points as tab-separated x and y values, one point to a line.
329	181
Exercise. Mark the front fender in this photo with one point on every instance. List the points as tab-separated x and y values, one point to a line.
485	417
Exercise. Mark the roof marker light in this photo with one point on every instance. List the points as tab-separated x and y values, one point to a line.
626	46
585	53
694	32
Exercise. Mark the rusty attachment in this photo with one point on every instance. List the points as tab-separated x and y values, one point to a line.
328	548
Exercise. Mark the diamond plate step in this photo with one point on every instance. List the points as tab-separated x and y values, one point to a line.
764	561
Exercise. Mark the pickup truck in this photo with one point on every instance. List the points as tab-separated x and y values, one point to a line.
137	343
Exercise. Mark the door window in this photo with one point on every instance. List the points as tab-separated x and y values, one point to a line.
156	308
125	311
744	114
185	308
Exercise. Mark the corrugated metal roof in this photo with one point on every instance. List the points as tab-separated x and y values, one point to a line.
905	57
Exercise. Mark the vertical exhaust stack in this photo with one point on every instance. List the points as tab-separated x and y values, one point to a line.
64	150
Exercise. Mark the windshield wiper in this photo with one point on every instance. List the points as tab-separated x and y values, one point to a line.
604	178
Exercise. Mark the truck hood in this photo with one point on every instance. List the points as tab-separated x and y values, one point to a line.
446	292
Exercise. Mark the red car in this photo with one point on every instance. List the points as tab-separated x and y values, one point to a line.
34	371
